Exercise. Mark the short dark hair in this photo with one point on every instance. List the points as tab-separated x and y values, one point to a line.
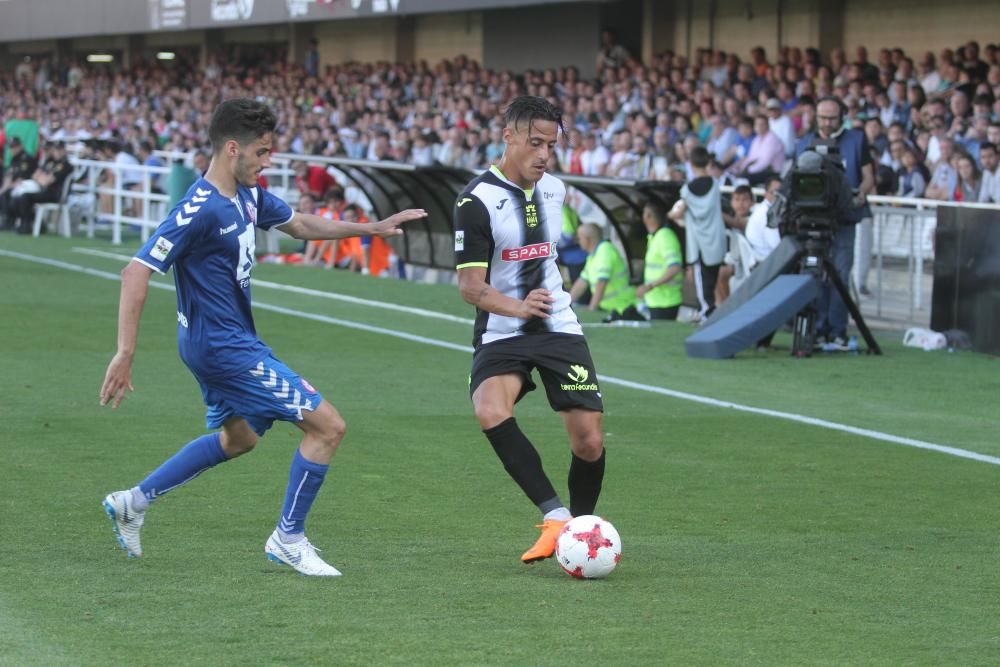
241	119
987	146
657	210
528	108
700	157
743	190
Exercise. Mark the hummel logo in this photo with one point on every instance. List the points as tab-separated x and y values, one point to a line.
578	374
500	205
464	201
226	230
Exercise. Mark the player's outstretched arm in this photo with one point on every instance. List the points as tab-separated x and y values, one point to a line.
475	290
313	227
118	377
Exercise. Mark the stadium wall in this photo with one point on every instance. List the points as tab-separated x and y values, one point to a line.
540	37
440	36
738	25
919	26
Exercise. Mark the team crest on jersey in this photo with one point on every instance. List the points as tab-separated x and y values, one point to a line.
251	212
530	215
161	249
525	253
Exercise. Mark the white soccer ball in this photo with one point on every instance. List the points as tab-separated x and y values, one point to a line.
588	547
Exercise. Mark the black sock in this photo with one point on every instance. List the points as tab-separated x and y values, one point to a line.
585	478
521	461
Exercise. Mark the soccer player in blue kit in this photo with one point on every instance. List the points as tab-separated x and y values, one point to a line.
208	239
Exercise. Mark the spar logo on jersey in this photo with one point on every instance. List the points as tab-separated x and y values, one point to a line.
308	387
251	212
525	253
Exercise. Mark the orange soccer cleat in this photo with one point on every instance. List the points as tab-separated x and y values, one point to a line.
545	547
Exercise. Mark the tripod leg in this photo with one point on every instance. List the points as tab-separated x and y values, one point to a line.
804	334
852	308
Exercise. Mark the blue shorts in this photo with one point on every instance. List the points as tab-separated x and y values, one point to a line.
263	395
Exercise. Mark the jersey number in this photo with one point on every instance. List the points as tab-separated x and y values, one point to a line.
244	262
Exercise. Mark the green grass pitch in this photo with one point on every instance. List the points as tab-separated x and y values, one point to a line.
748	539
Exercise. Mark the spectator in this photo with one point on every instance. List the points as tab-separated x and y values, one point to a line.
611	54
989	187
50	177
324	253
723	140
781	125
699	211
765	157
944	177
763	239
595	157
605	274
967	187
663	270
910	178
312	179
19	170
422	152
740	202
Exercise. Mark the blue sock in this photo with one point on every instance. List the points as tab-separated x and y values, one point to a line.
304	480
194	458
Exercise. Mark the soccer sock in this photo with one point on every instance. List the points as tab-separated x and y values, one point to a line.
585	478
558	514
521	461
193	459
304	480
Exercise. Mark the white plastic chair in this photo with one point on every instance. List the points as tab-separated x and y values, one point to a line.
59	208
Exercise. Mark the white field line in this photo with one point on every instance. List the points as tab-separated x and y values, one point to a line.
662	391
421	312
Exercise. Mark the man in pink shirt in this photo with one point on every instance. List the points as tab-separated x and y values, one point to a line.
765	157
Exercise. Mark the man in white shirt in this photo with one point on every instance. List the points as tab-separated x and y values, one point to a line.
781	125
594	159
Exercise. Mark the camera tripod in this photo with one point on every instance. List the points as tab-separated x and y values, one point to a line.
814	259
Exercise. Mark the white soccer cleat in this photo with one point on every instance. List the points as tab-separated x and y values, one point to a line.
300	555
126	520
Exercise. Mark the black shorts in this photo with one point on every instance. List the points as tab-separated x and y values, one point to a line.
563	362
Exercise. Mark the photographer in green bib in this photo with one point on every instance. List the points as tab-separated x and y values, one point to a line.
606	275
663	275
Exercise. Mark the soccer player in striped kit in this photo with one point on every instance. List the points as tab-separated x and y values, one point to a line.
507	224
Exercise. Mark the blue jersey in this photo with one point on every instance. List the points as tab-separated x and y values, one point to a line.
209	239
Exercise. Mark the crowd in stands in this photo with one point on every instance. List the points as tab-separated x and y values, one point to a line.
930	124
927	117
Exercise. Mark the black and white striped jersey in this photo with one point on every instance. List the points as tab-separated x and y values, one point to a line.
513	233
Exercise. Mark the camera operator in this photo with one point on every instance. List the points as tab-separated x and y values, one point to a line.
858	169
